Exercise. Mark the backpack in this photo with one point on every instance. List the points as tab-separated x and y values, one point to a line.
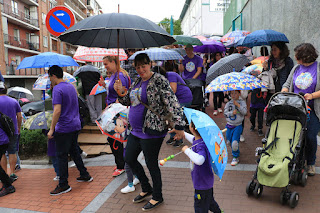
7	125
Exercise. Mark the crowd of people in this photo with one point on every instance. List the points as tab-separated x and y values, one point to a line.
154	92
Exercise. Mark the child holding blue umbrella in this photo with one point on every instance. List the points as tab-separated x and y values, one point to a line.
201	173
234	111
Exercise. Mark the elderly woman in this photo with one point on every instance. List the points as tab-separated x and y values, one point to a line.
305	78
150	99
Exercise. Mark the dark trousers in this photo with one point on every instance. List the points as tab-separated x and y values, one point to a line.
117	151
204	201
3	175
151	149
253	112
67	143
217	103
313	127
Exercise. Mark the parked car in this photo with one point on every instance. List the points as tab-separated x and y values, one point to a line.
33	108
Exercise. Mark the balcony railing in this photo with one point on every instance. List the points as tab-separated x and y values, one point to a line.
18	14
12	70
22	43
76	7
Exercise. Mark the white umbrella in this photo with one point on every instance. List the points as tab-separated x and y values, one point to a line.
20	92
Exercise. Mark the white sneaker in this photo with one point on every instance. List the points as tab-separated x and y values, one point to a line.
234	161
136	181
242	138
72	165
219	110
128	189
56	178
83	154
215	112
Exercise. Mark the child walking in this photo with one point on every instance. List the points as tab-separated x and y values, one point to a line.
201	173
234	111
257	106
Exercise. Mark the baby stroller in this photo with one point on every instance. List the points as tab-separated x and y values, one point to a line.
282	160
197	88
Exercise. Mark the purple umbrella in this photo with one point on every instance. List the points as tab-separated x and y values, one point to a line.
210	46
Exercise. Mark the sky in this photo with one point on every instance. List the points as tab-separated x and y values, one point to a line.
154	10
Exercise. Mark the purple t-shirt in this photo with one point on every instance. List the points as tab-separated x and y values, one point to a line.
190	66
137	111
202	176
305	79
112	94
183	93
66	95
10	107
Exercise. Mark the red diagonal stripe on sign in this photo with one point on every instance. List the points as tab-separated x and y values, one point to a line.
54	16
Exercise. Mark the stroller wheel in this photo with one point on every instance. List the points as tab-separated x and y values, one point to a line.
304	178
250	187
294	199
283	197
258	189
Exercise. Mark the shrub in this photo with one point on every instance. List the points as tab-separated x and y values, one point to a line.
32	142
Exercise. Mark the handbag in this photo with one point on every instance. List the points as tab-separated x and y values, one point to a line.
7	125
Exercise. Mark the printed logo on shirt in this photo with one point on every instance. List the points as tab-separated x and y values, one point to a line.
134	96
304	80
190	66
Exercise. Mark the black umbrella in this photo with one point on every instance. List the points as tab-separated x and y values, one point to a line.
225	65
109	29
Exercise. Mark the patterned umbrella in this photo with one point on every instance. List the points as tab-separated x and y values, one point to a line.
94	54
234	35
41	120
234	81
200	37
159	54
44	83
97	89
225	65
181	51
185	40
210	46
20	92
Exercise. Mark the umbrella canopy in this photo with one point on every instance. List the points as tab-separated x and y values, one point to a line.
210	46
200	37
97	89
212	137
20	92
181	51
41	120
47	59
44	83
234	81
234	35
225	65
264	37
94	54
107	29
86	68
159	54
185	40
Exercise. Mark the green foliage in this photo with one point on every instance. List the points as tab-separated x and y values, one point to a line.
165	23
32	143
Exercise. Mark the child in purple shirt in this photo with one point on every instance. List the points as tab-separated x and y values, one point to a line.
201	173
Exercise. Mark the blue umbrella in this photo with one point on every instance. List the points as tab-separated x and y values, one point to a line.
159	54
41	120
212	137
47	59
264	37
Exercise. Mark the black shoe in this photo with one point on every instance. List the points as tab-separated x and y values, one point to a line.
140	198
4	191
60	190
178	143
150	206
85	179
170	141
13	177
260	133
251	128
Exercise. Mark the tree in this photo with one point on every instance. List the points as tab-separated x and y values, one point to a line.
165	23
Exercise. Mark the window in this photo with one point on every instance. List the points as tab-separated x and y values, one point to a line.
28	37
14	6
52	4
45	41
44	18
27	13
16	34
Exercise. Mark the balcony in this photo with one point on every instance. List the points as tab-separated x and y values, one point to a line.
20	18
90	4
82	3
31	2
21	43
76	9
71	50
12	70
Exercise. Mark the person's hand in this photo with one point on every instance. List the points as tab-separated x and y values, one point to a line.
284	89
50	134
184	148
308	96
118	87
265	65
179	134
236	103
235	112
102	83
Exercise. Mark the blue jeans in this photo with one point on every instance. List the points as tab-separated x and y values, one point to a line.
233	136
313	127
67	143
55	164
182	105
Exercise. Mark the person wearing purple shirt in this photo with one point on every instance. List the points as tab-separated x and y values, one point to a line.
11	108
7	187
65	125
191	66
305	78
111	64
201	173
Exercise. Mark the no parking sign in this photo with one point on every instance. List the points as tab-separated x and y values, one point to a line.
59	19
